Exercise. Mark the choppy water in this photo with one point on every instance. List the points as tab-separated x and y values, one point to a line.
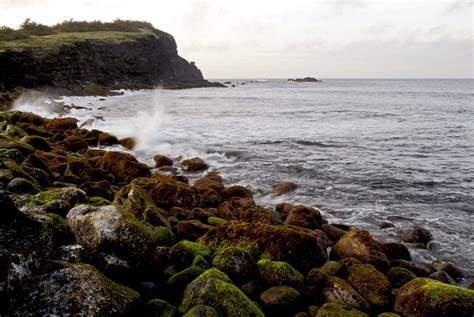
363	151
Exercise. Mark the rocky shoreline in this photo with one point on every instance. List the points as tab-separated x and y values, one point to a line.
91	231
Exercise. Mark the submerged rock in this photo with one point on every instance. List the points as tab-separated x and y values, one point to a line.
425	297
284	187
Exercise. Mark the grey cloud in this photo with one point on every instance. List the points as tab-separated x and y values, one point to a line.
460	5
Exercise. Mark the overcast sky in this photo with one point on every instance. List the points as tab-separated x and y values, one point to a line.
292	38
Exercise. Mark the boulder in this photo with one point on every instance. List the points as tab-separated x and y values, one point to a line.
283	188
339	291
191	229
279	273
399	276
184	252
333	232
123	166
425	297
395	250
20	185
201	311
213	288
261	215
159	308
75	289
128	143
193	165
338	310
360	245
107	139
420	270
161	160
416	234
178	281
370	283
100	188
236	262
75	143
280	300
452	269
296	246
110	230
314	284
305	217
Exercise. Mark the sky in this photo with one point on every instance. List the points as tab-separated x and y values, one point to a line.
297	38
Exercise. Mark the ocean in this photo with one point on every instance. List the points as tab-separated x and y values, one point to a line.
362	151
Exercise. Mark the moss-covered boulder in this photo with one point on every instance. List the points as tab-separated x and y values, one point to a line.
338	310
184	252
236	262
360	245
296	246
305	217
213	288
339	291
178	281
399	276
314	285
75	289
123	166
191	229
110	230
370	283
201	311
20	185
280	300
193	165
425	297
261	215
159	308
161	160
279	273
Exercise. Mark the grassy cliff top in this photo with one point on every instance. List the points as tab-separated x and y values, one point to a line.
34	35
55	40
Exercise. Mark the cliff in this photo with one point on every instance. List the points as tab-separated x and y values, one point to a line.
113	59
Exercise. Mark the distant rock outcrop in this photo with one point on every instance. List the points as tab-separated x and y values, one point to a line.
305	80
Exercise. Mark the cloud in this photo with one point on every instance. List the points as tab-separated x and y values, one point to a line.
459	6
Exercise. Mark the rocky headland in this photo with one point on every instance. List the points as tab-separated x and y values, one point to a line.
86	230
83	58
305	80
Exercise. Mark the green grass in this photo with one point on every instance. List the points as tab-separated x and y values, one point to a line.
55	40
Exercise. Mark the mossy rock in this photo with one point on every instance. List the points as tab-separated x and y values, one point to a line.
399	276
185	251
160	308
338	310
98	201
425	297
216	221
201	262
178	281
75	288
331	268
280	300
7	142
236	262
14	131
339	291
314	284
294	245
370	283
20	185
279	273
213	288
201	311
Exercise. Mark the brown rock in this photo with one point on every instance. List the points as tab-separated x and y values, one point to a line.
128	143
333	232
162	160
75	143
284	209
193	165
107	139
123	166
191	229
305	217
284	187
416	234
395	250
261	215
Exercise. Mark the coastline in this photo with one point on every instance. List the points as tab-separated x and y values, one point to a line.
83	207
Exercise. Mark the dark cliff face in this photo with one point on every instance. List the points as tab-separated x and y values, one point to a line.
143	62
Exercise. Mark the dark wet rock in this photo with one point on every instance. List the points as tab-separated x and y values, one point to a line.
360	245
107	139
235	262
109	230
22	186
128	143
399	276
75	143
159	308
345	264
123	166
284	209
305	217
261	215
416	234
279	273
324	241
184	252
314	284
201	262
386	225
169	193
283	188
72	253
72	290
178	281
38	142
201	311
161	160
280	300
191	229
214	288
395	250
339	291
442	276
426	297
100	188
333	232
420	270
209	198
211	180
370	283
237	191
294	245
452	269
201	214
193	165
335	309
331	268
61	124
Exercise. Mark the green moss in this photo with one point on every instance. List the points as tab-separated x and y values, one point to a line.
437	291
201	262
160	307
164	236
335	309
185	251
216	221
178	281
98	201
213	288
279	273
201	311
